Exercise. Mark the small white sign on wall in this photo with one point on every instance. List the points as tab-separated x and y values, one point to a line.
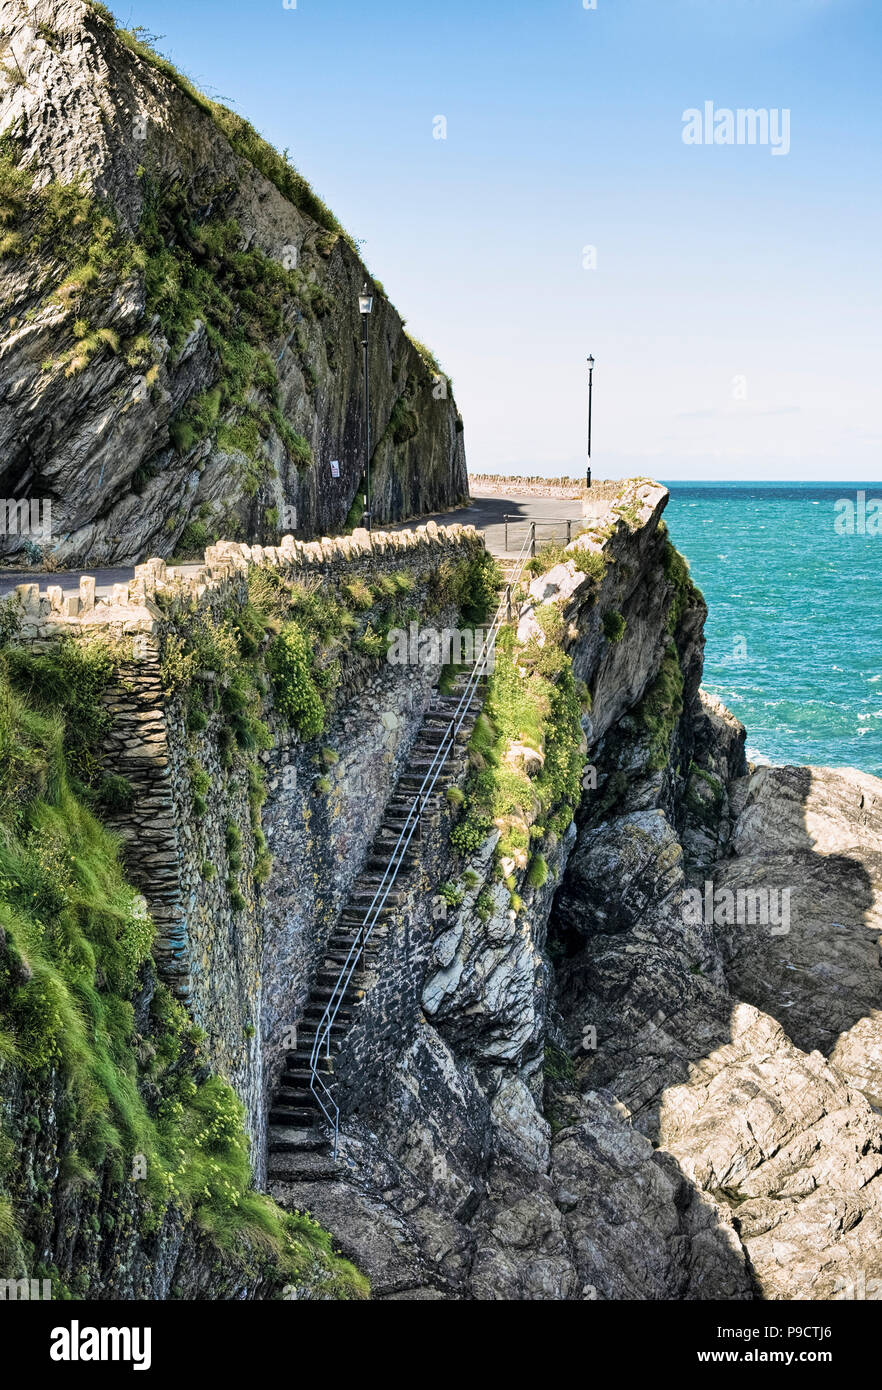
335	469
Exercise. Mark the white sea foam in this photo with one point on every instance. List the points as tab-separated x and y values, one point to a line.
753	755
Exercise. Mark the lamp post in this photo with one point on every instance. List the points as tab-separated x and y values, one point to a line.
590	403
365	304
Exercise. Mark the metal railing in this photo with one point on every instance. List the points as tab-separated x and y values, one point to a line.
514	520
322	1041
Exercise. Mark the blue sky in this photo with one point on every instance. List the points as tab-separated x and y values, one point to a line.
734	308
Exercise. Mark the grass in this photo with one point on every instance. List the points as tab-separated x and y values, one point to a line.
676	569
660	709
532	699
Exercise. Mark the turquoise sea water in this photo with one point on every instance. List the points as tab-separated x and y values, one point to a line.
794	633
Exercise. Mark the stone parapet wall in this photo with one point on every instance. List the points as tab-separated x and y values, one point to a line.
130	608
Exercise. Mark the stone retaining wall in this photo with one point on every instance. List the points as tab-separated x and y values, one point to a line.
244	974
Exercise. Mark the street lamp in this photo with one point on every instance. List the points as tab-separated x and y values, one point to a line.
365	304
590	403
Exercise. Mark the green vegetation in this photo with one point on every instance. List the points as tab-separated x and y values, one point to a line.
699	805
198	270
470	585
290	664
537	874
72	676
484	905
532	700
560	1076
75	944
452	893
194	264
559	1065
428	357
291	638
553	553
660	709
613	626
685	591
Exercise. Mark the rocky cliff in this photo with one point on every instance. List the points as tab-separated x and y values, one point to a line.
619	1034
238	731
618	1082
180	341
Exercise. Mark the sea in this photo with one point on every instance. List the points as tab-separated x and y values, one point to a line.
792	575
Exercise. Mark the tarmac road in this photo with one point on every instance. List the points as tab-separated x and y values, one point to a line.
486	513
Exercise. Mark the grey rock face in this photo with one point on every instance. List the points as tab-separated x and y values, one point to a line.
817	832
758	1125
93	437
610	1095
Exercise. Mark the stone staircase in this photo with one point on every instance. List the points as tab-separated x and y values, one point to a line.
299	1138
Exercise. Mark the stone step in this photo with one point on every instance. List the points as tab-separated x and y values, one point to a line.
287	1139
334	962
299	1117
332	1044
296	1096
300	1062
364	893
327	979
315	1012
404	858
296	1080
362	955
408	812
299	1135
309	1025
323	994
341	944
302	1165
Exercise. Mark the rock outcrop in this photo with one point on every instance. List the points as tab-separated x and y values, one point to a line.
630	1053
610	1094
180	339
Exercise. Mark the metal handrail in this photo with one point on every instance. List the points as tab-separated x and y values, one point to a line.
518	519
328	1106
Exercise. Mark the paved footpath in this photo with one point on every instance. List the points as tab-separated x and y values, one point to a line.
486	513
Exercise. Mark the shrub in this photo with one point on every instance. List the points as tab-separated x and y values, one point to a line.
452	894
484	905
359	594
614	626
547	556
470	833
371	643
290	664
